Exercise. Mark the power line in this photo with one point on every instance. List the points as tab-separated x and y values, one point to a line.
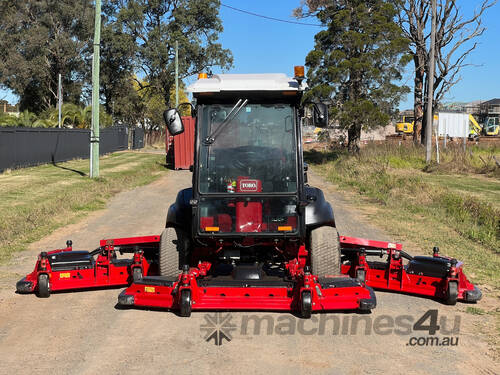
271	18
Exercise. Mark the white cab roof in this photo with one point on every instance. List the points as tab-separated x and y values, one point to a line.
246	82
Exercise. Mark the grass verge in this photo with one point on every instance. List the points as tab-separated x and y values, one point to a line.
37	200
454	205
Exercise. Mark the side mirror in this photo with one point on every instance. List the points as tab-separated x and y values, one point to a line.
173	121
320	115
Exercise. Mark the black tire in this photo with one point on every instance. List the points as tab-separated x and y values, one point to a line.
172	252
306	304
452	293
43	286
185	303
361	275
137	274
325	251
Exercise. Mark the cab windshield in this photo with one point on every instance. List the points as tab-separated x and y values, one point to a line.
492	123
253	152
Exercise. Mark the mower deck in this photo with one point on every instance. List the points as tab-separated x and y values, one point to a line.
66	270
195	289
437	276
249	287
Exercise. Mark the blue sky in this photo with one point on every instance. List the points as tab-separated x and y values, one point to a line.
263	46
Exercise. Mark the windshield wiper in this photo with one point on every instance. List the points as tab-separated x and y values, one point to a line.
230	117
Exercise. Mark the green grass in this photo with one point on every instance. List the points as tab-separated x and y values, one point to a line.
474	310
484	189
454	205
37	200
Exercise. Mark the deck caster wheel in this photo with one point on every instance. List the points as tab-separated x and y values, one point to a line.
43	286
306	304
137	274
452	293
185	303
361	275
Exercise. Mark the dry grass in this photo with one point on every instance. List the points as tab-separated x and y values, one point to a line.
37	200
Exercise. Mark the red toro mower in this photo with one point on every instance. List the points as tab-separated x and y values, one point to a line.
250	234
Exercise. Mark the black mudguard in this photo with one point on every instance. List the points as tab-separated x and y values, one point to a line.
318	211
180	213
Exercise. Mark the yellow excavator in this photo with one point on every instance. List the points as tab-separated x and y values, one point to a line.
474	128
405	125
491	127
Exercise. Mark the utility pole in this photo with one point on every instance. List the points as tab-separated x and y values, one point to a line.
59	96
176	74
430	85
94	133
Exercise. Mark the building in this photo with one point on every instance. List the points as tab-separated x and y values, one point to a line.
7	108
491	107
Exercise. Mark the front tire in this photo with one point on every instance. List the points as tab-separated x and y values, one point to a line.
325	251
172	252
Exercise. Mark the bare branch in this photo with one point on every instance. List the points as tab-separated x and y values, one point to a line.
453	33
456	38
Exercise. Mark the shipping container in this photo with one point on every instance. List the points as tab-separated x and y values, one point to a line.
180	148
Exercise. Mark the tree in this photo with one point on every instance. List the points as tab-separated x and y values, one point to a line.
152	106
155	25
455	35
24	119
356	61
7	120
72	116
118	50
40	39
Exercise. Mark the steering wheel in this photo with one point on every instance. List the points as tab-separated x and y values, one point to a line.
245	158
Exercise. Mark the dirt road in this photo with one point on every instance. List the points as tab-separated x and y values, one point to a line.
85	333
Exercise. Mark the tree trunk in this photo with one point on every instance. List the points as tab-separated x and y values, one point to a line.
166	95
353	138
418	111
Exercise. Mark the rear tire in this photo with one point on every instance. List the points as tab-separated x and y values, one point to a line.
325	251
43	286
172	252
